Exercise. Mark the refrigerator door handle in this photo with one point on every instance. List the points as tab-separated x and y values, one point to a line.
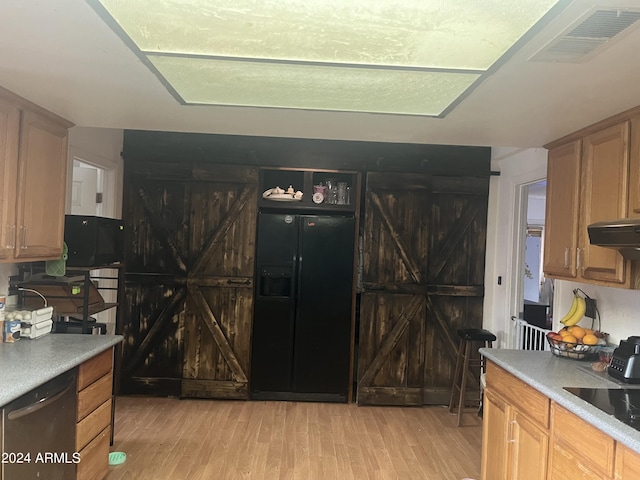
297	269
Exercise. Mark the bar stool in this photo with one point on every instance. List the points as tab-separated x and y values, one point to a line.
464	362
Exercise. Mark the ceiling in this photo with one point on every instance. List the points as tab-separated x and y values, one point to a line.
62	56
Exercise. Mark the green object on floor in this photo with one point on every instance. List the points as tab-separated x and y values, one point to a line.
117	458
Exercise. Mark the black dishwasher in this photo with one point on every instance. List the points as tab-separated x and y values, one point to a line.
38	432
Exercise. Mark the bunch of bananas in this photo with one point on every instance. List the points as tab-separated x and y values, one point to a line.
576	312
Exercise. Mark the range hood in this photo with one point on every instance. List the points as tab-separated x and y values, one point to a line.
622	235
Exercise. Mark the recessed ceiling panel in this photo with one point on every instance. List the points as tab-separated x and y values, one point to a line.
356	89
397	56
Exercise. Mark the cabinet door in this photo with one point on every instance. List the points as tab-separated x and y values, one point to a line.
627	463
561	221
529	449
565	464
605	179
634	169
9	131
495	432
42	178
580	450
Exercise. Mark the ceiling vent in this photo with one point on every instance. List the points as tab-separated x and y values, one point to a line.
589	35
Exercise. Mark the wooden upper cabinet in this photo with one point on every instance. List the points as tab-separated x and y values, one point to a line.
33	165
605	181
591	178
563	208
9	132
634	169
42	178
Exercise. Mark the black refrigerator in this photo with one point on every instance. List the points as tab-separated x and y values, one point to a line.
303	304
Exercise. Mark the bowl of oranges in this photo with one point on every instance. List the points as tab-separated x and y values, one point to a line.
576	342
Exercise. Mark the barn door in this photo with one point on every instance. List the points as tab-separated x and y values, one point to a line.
455	277
189	280
424	242
391	346
220	286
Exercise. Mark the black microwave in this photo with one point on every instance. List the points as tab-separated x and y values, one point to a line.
93	241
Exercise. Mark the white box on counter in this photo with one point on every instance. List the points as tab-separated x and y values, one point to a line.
36	330
33	323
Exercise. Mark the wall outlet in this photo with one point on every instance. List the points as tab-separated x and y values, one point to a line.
591	310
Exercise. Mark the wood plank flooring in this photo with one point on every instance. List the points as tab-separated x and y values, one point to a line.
167	438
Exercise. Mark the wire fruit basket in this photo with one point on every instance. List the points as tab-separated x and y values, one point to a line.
577	351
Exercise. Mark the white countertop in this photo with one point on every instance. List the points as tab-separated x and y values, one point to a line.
549	374
26	364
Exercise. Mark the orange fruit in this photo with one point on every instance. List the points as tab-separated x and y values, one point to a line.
577	331
588	331
590	339
569	339
564	332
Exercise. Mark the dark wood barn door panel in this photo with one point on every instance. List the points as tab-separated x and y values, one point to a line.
219	324
424	248
190	254
156	212
392	307
455	277
152	350
391	354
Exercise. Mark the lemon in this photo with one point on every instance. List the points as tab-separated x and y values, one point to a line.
590	339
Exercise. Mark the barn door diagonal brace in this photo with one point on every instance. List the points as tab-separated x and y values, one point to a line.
217	236
158	225
163	318
399	243
217	333
450	243
391	340
441	324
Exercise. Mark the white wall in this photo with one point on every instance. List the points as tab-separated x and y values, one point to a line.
619	308
516	167
100	147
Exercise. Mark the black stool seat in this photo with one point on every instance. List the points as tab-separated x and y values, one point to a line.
464	362
476	335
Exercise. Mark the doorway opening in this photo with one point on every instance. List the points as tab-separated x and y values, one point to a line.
91	186
87	189
535	291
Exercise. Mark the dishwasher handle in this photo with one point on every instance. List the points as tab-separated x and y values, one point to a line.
42	403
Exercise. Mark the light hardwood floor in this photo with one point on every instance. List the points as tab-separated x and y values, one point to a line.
167	438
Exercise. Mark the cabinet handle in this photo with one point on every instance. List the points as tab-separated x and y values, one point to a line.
578	258
10	234
23	244
566	257
511	439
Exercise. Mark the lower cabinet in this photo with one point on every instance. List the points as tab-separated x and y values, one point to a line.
517	442
627	464
93	428
579	449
